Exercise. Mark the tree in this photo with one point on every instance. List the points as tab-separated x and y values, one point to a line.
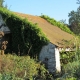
63	21
74	21
1	3
78	1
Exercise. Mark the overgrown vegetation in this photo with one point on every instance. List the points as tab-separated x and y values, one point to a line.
74	19
14	67
26	37
56	23
71	71
29	39
1	3
71	63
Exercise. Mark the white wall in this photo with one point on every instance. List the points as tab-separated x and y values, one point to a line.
53	57
57	58
64	49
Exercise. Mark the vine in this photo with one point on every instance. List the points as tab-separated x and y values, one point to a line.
24	34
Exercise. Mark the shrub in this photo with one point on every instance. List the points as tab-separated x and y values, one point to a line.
14	67
18	66
71	70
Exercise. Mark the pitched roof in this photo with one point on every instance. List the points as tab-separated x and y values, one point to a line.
54	34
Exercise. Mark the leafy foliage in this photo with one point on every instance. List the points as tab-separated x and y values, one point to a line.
71	70
73	44
1	3
14	67
56	23
24	34
67	57
74	21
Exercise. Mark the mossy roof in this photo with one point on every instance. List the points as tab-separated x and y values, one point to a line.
54	34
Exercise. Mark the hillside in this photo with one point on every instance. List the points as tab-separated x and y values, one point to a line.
54	34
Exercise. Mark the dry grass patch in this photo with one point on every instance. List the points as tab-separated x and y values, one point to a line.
19	66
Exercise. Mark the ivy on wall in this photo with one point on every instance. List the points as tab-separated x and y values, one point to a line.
25	35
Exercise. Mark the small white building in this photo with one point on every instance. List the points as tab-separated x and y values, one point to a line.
50	56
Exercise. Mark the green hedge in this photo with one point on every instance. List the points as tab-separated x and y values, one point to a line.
56	23
24	34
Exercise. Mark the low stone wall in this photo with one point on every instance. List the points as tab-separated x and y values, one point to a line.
3	26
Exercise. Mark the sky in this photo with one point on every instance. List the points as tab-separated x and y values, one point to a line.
57	9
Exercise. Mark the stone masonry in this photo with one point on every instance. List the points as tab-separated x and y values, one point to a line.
49	55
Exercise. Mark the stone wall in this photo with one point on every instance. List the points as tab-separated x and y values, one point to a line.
7	34
3	26
49	55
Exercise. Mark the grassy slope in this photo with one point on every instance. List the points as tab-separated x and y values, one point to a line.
53	33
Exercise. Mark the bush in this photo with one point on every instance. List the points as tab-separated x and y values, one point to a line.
71	70
18	66
9	77
14	67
